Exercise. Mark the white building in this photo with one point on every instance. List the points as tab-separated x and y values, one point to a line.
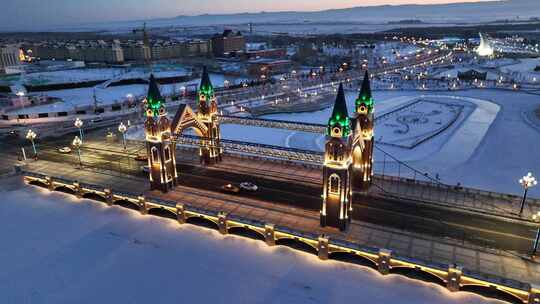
9	56
484	49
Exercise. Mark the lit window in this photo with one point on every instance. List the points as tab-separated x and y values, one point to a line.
334	183
155	155
167	153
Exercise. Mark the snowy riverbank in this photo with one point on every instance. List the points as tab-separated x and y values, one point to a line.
60	250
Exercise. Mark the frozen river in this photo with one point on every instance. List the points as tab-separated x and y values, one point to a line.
488	146
56	249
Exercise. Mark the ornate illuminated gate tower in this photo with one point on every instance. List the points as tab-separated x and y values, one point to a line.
159	142
210	150
363	143
336	204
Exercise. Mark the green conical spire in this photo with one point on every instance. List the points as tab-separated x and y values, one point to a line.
206	85
153	98
340	114
365	96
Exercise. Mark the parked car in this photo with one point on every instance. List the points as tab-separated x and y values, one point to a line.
248	186
230	188
141	157
65	150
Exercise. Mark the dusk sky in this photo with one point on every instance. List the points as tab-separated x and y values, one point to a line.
36	13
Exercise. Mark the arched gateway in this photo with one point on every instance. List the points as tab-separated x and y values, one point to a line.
161	132
348	158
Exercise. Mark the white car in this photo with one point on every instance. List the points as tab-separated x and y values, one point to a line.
145	169
248	186
65	150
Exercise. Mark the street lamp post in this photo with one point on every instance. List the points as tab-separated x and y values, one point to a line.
536	219
77	142
31	135
122	129
79	124
526	182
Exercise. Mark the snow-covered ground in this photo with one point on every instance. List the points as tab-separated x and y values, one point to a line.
524	70
57	249
85	96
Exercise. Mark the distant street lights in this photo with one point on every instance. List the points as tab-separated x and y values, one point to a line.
536	219
77	143
31	135
122	129
79	124
526	182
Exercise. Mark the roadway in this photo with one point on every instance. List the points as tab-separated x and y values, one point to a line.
413	216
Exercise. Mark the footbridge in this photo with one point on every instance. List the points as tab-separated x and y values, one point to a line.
272	151
271	123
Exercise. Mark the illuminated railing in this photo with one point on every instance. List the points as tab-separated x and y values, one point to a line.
257	149
271	123
384	260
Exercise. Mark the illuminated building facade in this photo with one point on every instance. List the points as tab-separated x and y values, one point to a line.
159	141
337	176
484	49
363	142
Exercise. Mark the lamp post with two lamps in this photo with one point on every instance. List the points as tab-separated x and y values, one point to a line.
79	124
31	136
526	182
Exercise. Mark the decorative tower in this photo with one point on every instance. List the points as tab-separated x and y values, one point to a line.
210	150
159	143
336	204
363	142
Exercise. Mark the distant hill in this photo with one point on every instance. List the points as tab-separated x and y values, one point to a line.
437	13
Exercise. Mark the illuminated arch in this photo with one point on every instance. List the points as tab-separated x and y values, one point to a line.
247	232
127	204
202	221
94	196
334	184
417	273
352	258
38	183
492	292
297	244
154	154
162	212
64	189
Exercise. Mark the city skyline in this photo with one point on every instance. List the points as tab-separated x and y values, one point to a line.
32	14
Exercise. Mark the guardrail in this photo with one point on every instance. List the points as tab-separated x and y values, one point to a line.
382	259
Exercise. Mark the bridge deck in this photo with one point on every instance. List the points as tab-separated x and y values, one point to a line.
419	189
405	244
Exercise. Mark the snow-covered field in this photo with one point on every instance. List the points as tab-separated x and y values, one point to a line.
73	98
57	249
417	122
524	70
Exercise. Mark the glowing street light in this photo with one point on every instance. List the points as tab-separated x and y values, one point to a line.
79	124
77	143
536	219
31	135
526	182
122	129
